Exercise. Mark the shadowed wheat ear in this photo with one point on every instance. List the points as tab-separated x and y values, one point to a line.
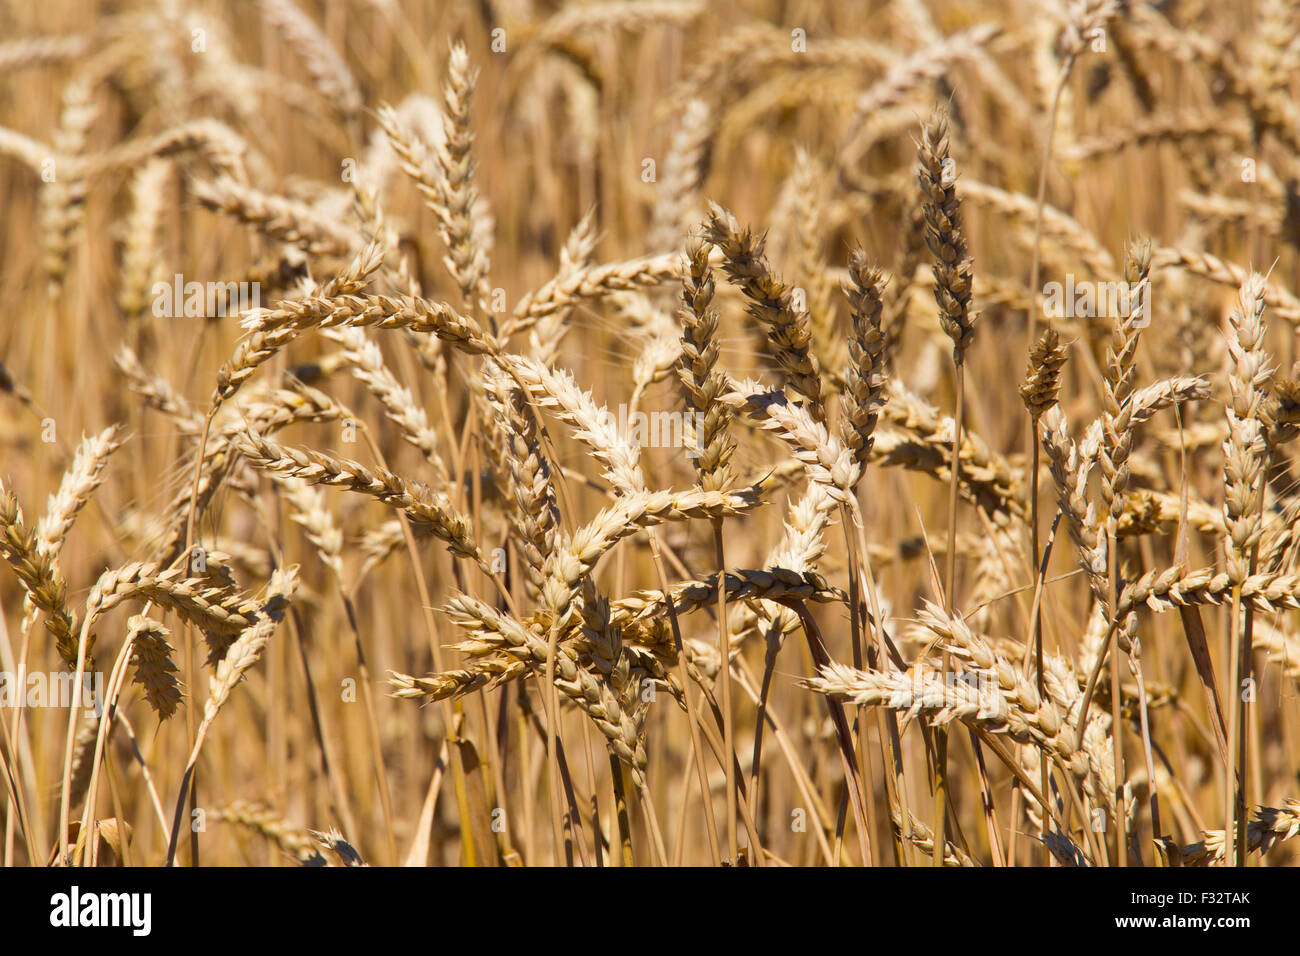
333	841
1040	392
789	331
937	178
703	384
155	671
864	390
1042	385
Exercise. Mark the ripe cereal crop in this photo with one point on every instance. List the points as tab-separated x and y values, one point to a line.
642	433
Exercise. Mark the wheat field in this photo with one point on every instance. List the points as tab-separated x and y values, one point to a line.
649	433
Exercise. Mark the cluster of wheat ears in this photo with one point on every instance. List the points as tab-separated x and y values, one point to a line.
364	571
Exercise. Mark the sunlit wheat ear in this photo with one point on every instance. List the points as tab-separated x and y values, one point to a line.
460	215
1071	464
827	461
907	74
504	633
1244	449
683	173
367	362
573	285
141	256
606	429
592	424
42	581
546	336
423	507
272	330
536	515
63	198
1269	827
1120	372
